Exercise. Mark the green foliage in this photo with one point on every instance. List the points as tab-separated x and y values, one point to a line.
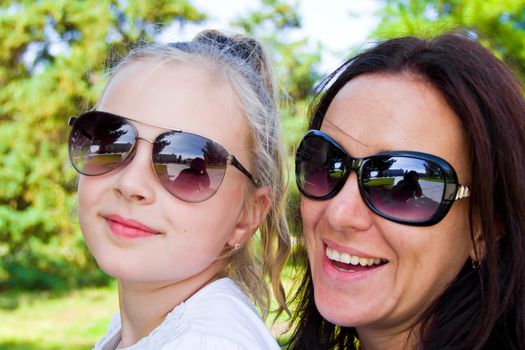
295	65
499	24
53	58
294	62
52	61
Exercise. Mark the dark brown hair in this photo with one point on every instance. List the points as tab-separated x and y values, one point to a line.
481	308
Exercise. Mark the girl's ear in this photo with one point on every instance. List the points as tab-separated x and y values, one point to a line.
254	212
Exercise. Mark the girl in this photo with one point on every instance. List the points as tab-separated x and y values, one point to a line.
438	264
181	162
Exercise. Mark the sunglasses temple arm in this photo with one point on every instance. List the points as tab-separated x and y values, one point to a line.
233	161
462	192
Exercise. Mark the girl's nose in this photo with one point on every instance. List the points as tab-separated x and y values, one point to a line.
135	180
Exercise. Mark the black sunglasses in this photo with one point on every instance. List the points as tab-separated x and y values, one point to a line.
411	188
191	167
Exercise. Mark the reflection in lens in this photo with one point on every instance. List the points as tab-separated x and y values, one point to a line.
320	167
99	143
189	166
405	188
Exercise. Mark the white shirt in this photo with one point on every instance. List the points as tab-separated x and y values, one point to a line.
217	317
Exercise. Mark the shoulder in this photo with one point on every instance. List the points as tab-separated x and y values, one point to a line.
112	337
204	342
221	313
224	290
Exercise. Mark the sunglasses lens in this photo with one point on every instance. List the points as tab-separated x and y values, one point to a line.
319	167
189	166
98	143
404	188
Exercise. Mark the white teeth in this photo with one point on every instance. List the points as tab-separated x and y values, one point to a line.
335	255
354	260
346	258
332	254
363	261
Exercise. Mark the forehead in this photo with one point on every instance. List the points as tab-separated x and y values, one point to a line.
384	112
177	95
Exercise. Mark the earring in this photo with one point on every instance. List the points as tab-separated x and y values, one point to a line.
236	247
474	264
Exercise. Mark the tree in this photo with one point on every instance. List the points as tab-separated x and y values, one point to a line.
52	65
52	61
296	66
500	25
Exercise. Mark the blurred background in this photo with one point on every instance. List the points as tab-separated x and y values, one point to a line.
54	55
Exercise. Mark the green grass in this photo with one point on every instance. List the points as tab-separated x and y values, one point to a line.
76	320
384	181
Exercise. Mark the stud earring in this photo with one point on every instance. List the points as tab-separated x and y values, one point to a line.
236	247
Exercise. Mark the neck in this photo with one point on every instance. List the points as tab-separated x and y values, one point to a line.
144	305
380	339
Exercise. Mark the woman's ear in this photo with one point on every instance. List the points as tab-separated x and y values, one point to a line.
252	215
478	247
477	253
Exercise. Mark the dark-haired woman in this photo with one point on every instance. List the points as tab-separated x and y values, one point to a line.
440	269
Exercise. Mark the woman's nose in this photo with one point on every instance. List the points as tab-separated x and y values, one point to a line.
347	210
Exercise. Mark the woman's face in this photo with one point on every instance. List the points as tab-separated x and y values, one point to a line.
182	240
372	114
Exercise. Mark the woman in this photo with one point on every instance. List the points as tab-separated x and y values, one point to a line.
181	162
441	267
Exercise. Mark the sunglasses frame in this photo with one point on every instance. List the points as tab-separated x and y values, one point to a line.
452	191
230	158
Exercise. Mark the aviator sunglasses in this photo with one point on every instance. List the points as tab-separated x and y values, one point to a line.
411	188
191	167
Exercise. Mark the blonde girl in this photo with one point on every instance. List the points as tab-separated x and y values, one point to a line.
181	163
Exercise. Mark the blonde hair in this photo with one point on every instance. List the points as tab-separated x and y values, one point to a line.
243	63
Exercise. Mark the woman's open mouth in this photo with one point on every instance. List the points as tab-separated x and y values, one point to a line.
345	262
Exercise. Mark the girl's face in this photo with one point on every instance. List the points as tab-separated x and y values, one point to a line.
372	114
176	240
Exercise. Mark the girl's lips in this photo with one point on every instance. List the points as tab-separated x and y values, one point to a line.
128	228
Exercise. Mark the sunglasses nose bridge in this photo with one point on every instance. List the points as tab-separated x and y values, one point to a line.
144	139
355	164
152	142
347	211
